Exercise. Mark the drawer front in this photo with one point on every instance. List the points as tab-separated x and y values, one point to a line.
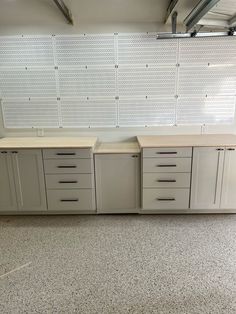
168	152
165	199
69	181
68	166
167	164
166	180
67	153
66	200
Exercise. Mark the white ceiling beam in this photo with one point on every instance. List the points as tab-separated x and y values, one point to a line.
200	10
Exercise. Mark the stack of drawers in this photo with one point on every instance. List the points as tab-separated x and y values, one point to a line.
69	177
166	178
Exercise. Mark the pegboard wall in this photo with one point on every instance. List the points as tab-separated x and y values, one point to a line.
116	80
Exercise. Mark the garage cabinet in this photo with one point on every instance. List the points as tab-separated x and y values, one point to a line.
213	178
166	178
117	183
7	185
22	185
228	197
69	177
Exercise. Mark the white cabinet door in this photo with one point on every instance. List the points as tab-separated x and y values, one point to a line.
117	183
207	171
7	186
228	197
29	179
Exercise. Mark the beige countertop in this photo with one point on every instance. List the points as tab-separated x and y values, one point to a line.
187	140
117	148
47	142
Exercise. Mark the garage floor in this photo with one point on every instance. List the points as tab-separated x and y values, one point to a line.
118	264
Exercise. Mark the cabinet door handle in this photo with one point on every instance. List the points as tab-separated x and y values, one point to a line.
166	153
66	167
14	152
166	165
166	180
70	200
230	148
4	152
166	199
220	149
65	154
68	182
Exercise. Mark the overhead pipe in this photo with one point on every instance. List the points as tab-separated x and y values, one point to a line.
64	10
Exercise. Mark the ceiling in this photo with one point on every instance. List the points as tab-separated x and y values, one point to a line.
222	15
21	12
41	13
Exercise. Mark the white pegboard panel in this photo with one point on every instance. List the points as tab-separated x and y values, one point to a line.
89	72
147	112
76	113
146	81
78	50
23	113
206	110
26	51
35	82
142	49
87	82
204	51
207	80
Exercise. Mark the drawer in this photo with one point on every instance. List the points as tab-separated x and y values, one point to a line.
66	200
166	180
166	199
168	152
68	166
167	164
67	153
69	181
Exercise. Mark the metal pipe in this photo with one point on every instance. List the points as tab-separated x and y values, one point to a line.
197	35
170	9
64	10
174	22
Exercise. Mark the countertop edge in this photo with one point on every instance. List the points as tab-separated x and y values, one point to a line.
206	140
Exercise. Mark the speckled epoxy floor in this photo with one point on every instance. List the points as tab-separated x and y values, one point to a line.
118	264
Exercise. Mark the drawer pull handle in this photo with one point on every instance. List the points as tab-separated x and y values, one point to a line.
65	154
66	167
4	152
230	148
166	153
166	180
68	182
70	200
166	165
219	149
166	199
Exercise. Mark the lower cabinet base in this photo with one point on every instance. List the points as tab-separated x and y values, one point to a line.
186	212
47	212
140	212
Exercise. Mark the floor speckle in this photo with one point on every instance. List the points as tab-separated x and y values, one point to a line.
118	264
